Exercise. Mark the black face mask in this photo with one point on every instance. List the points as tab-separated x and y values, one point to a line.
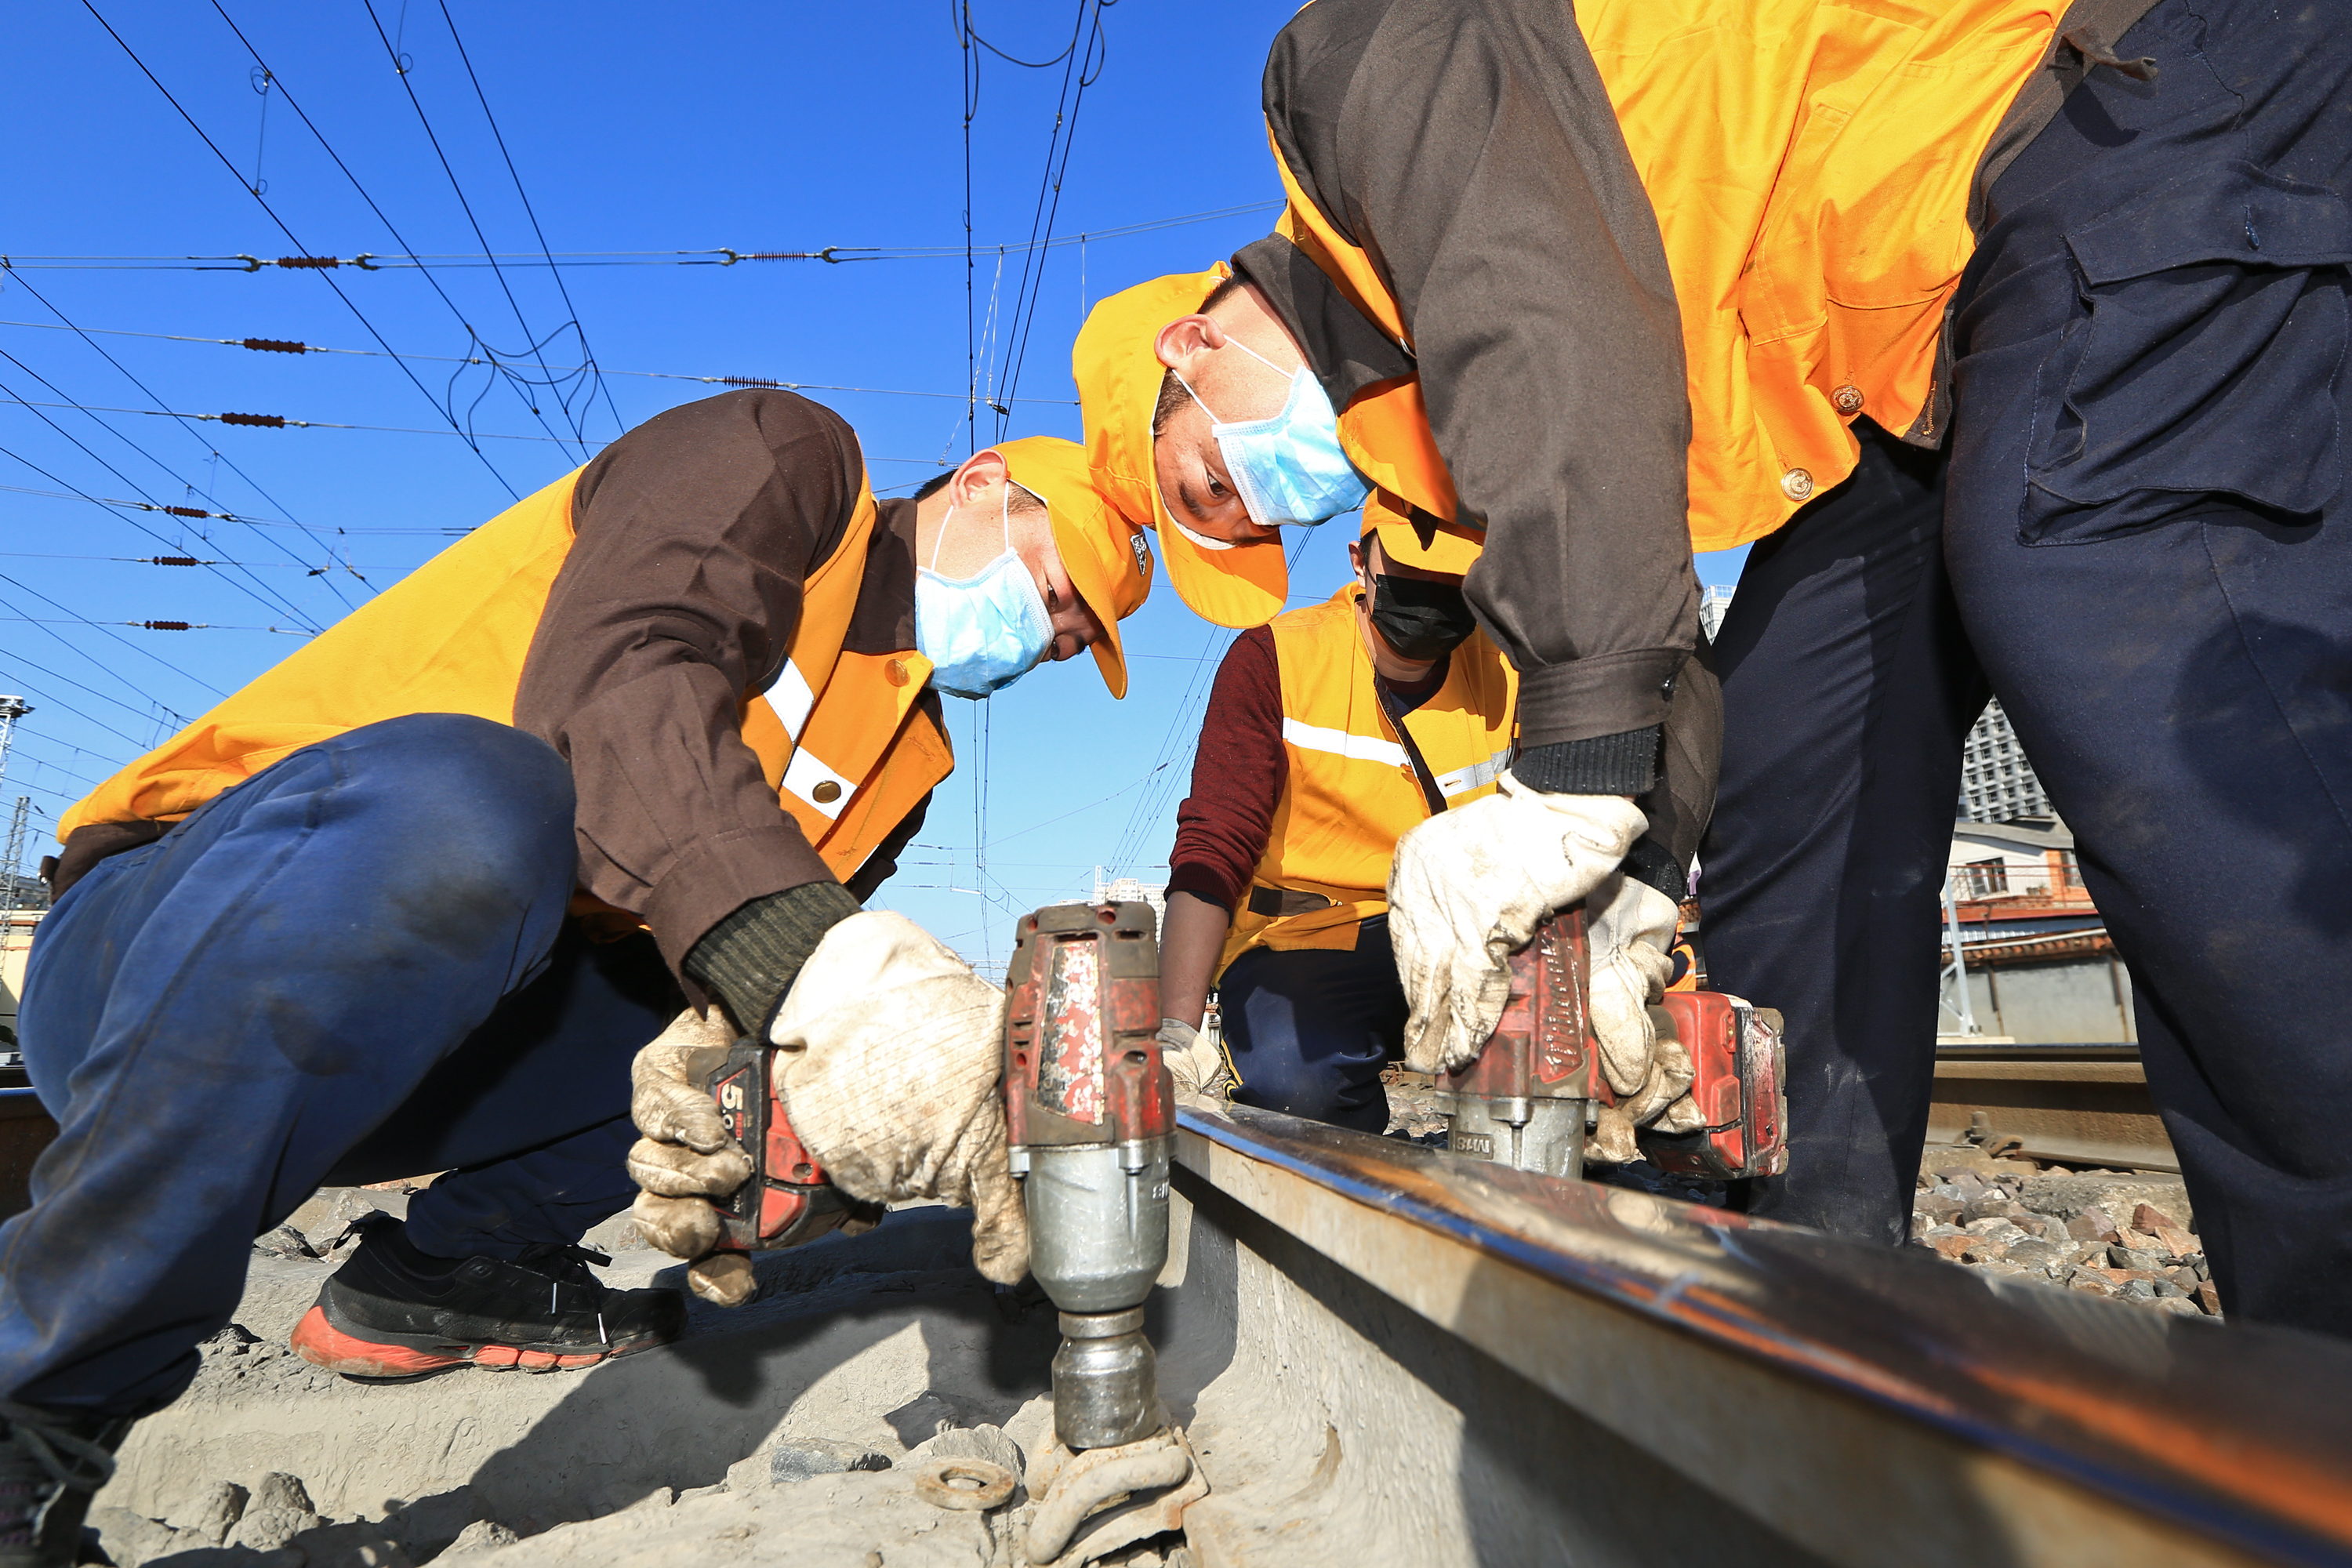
1418	618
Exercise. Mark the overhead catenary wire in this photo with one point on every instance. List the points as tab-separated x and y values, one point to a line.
185	561
190	511
1028	291
252	587
162	625
1170	769
67	325
9	657
513	380
295	239
134	686
534	342
291	346
23	748
279	421
716	256
286	422
524	197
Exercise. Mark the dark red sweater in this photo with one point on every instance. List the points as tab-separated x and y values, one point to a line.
1239	770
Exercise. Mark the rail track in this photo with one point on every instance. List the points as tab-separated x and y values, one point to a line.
2067	1104
1510	1370
1384	1355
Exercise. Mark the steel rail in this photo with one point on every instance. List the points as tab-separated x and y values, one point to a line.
2061	1104
1865	1403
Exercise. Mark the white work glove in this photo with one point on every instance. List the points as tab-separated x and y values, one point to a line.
686	1158
1630	927
1466	891
1201	1072
892	1050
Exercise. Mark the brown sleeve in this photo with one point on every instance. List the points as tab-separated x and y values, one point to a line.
1470	148
695	532
1239	770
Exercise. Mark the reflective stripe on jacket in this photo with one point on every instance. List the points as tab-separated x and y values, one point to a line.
1810	166
1351	790
839	735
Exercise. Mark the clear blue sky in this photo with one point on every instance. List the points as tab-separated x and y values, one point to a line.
630	129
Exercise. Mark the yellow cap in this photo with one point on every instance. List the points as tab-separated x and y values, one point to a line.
1118	375
1104	553
1431	546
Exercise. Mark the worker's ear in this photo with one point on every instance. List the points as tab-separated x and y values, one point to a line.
978	475
1185	336
1356	556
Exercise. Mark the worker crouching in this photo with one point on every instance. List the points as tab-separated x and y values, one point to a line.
419	898
1330	734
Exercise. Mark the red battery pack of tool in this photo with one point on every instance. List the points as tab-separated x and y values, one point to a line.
788	1202
1739	1070
1082	1009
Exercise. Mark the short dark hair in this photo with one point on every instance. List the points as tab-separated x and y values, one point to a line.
1025	501
1172	396
1223	292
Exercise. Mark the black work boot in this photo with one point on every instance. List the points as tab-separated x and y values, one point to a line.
395	1312
51	1461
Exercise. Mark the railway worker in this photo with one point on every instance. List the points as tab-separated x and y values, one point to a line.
2012	340
1328	733
413	900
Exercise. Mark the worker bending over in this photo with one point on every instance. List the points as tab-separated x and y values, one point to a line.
414	900
2013	340
1208	402
1329	733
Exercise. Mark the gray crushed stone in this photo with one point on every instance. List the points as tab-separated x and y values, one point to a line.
2124	1235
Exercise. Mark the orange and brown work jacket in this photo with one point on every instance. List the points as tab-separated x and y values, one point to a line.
1310	767
1611	279
713	616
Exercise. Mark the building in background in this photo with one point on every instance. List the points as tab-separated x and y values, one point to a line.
1997	782
2033	951
1129	891
1714	600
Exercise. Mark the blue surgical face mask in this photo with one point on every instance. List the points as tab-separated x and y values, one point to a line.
1289	468
983	632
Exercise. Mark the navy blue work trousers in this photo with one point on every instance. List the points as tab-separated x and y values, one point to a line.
2140	540
353	967
1310	1029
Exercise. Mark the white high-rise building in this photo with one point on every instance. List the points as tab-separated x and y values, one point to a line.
1997	782
1132	890
1714	600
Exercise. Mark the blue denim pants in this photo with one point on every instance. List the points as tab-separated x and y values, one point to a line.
353	967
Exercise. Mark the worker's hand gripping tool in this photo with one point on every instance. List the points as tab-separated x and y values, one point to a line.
788	1202
1525	1099
1090	1117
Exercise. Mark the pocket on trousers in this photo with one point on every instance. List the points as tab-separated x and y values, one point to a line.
2203	370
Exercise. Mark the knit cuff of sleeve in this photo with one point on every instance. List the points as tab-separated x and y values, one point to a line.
1652	862
1605	764
750	960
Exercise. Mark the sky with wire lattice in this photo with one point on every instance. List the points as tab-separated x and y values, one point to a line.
624	166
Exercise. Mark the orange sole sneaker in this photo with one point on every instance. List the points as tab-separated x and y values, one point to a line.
322	1344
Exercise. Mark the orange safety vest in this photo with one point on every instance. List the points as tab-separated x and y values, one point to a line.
839	736
1810	164
1351	791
